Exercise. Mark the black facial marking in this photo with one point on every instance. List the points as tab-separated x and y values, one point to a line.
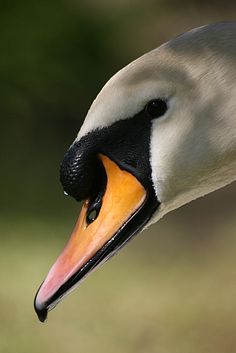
126	142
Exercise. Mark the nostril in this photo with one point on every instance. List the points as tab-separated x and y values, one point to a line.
91	216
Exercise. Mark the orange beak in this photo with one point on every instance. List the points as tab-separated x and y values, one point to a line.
92	242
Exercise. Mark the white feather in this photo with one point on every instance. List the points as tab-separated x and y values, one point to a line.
193	147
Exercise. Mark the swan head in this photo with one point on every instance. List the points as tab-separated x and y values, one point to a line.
158	135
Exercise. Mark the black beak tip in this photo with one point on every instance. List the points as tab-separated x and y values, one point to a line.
41	310
42	315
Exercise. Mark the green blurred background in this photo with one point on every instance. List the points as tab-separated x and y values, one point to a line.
173	289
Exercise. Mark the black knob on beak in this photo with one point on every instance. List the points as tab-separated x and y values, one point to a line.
77	170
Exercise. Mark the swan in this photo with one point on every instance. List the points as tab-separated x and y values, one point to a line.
161	133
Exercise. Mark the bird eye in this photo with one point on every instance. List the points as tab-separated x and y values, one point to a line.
156	108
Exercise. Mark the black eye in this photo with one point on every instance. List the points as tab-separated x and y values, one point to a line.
156	108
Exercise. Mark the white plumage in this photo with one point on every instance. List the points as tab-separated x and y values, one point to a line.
193	147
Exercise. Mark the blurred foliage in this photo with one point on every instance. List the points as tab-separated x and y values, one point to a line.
51	64
170	293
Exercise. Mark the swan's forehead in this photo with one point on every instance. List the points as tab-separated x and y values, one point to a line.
127	92
182	63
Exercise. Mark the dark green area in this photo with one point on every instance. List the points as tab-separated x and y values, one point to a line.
54	59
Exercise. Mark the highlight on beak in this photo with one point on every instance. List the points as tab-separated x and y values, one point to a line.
106	222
